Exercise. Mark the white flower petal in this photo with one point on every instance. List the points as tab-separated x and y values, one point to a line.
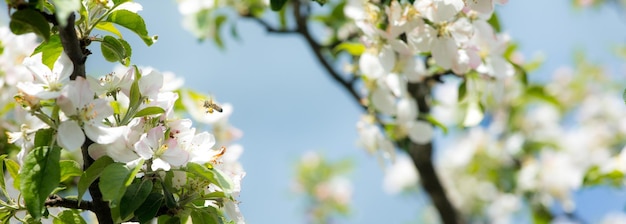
407	110
421	132
103	134
384	101
70	135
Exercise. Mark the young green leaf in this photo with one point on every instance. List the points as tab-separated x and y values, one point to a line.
69	169
39	175
204	215
91	174
213	175
113	50
29	21
354	49
108	26
13	168
149	111
69	216
50	50
112	182
134	197
133	22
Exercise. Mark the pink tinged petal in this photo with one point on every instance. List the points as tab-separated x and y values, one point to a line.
421	132
36	90
79	92
175	156
70	136
160	164
384	101
462	30
150	83
407	110
444	51
98	150
415	70
101	110
461	65
103	134
143	148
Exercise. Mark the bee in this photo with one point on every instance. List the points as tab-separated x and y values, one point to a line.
210	106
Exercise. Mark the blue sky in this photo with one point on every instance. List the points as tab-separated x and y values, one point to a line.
286	105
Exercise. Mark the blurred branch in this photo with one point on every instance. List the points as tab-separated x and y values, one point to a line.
420	154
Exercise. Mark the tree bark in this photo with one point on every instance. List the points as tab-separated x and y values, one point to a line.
74	49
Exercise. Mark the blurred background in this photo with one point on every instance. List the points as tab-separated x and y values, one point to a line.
286	105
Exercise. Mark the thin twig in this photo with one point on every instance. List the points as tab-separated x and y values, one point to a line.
58	201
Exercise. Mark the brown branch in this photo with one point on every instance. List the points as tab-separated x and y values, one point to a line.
58	201
422	156
72	47
76	51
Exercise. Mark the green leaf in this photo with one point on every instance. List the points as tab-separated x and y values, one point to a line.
113	182
321	2
435	122
149	207
624	95
217	35
2	184
170	202
133	22
113	50
129	52
39	175
63	9
213	175
277	4
462	90
29	21
204	215
14	170
117	2
108	26
69	216
355	49
495	22
149	111
50	50
69	169
91	174
44	137
134	197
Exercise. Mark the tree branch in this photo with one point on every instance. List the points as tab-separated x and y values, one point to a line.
58	201
77	52
422	157
71	47
420	154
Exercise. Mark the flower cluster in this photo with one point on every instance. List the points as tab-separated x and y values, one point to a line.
128	115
